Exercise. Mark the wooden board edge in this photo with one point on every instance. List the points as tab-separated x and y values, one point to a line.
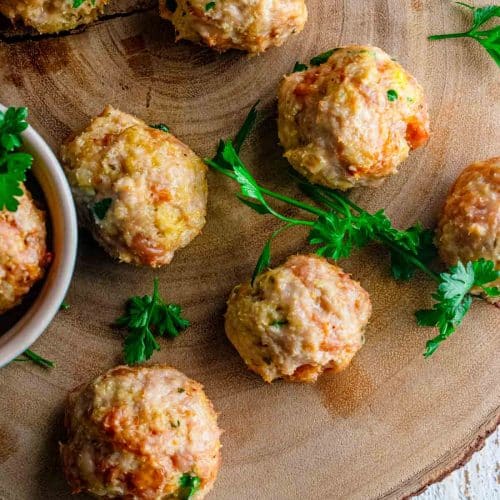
461	458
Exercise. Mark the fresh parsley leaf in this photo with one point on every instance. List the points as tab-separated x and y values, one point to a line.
246	128
489	38
189	484
162	127
13	165
263	261
392	95
453	298
100	208
337	236
299	67
64	306
146	317
209	6
322	58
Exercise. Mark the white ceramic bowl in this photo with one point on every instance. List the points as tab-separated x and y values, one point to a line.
51	178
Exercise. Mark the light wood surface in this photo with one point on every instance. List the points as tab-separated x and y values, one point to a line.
391	423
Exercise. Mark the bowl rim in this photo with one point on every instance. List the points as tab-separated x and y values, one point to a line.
65	242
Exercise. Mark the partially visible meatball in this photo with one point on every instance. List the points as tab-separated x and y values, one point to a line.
141	433
351	120
249	25
141	191
298	320
52	16
23	251
469	227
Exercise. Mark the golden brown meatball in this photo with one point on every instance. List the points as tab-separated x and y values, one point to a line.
52	16
23	251
141	191
469	227
141	433
351	120
298	320
250	25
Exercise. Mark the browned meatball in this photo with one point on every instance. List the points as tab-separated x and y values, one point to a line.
52	16
469	227
298	320
141	433
141	191
352	120
250	25
23	251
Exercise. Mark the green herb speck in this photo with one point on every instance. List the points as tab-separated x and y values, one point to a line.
209	6
299	67
162	127
392	95
100	209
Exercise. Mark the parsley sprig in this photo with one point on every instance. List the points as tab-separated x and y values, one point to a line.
489	38
453	298
13	164
145	318
340	226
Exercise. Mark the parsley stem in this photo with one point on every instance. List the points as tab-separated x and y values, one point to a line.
448	35
271	194
39	360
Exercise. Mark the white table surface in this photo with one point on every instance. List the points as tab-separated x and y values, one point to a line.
479	479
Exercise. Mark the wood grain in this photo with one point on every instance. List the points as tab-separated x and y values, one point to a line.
387	426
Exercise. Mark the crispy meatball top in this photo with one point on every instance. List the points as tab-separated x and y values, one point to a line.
52	16
298	319
353	119
135	431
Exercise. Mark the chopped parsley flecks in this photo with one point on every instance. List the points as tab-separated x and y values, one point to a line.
162	127
392	95
100	209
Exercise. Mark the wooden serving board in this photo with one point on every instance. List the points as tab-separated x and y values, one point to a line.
390	424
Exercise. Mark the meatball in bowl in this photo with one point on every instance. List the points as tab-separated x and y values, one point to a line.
38	239
139	433
469	226
140	191
249	25
352	118
298	320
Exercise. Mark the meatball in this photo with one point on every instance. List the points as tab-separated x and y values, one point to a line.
23	251
52	16
141	433
249	25
351	120
469	227
141	191
298	320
